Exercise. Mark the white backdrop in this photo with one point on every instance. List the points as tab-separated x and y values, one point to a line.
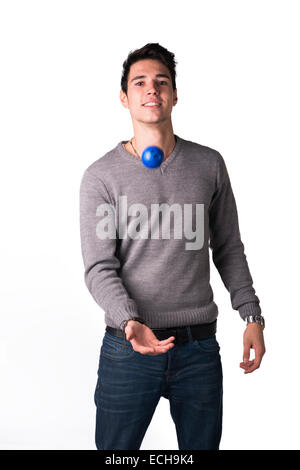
238	92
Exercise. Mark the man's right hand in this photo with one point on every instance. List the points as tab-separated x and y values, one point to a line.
144	341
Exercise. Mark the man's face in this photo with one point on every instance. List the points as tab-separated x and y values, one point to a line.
147	88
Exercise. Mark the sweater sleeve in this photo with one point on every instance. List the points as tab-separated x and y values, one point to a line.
99	252
227	248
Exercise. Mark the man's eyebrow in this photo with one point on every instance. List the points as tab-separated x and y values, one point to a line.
144	76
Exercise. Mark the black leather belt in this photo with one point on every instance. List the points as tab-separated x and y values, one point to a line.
200	331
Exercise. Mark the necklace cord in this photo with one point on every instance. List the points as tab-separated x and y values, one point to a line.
136	151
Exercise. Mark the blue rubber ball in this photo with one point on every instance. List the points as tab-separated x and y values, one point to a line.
152	157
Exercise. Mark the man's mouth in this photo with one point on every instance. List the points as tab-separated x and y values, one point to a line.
152	104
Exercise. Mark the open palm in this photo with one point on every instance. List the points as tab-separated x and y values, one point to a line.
144	341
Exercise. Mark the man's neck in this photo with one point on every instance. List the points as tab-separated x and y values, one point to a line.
166	143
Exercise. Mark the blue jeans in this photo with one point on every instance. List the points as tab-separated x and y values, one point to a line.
130	385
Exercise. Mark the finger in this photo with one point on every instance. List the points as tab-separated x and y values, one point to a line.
251	369
129	335
162	349
159	349
152	351
246	365
246	353
171	338
144	350
255	365
163	342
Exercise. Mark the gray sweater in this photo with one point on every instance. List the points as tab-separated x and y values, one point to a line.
146	233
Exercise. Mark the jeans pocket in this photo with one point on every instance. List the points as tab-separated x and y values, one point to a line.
116	348
207	345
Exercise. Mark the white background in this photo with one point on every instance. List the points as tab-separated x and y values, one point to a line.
238	92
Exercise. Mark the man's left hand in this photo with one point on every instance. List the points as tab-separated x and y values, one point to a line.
253	338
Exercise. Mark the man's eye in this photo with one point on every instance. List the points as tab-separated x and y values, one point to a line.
162	81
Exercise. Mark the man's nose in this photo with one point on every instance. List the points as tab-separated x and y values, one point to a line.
154	88
153	92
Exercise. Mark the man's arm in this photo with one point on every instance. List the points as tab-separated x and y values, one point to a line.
99	255
231	262
101	265
227	248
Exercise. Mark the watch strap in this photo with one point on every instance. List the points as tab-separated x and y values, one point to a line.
124	323
256	319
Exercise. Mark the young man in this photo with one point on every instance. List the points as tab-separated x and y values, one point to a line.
150	274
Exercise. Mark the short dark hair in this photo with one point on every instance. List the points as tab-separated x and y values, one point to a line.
150	51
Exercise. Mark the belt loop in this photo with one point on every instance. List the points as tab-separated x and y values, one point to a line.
189	333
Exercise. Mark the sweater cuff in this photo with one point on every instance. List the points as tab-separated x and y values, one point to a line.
124	312
251	308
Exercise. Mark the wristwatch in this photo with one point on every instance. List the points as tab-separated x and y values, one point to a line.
124	323
256	319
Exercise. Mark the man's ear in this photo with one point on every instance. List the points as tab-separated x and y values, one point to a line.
124	99
175	97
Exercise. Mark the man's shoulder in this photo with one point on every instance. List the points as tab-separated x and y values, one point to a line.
104	163
201	150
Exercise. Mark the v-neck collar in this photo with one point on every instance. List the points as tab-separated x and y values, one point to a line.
123	152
